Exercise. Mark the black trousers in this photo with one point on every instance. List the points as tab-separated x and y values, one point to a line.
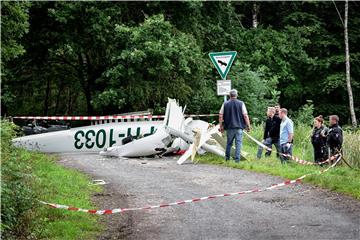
320	153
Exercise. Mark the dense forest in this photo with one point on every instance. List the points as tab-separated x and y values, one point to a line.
112	57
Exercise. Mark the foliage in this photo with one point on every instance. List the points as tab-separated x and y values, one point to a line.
158	62
17	196
28	177
305	114
14	24
255	89
111	57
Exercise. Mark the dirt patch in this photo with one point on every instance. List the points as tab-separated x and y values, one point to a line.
116	226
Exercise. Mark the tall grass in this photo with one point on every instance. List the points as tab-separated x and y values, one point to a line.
351	147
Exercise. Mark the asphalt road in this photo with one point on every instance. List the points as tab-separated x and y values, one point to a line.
292	212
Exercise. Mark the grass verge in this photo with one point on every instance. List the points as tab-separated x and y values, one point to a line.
30	176
340	179
68	187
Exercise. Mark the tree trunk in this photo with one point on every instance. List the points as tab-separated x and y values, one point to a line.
58	100
69	102
47	96
347	63
255	13
84	79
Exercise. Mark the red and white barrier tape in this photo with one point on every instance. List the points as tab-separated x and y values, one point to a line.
193	200
81	118
91	117
294	158
202	115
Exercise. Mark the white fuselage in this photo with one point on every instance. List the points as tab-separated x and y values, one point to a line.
92	138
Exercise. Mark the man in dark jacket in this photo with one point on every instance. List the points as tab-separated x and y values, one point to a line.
271	132
334	137
277	110
233	118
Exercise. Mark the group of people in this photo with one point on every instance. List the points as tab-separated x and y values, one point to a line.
326	141
278	131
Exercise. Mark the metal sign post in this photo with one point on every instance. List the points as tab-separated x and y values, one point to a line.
222	62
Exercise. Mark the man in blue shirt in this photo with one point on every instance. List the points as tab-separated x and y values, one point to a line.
233	117
286	135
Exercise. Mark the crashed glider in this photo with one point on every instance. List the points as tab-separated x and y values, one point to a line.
129	139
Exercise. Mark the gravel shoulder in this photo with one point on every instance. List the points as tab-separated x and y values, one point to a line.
292	212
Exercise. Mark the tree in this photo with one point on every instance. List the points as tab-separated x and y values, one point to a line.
108	57
14	24
255	13
154	61
347	63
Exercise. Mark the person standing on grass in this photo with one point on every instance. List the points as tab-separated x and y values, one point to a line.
334	137
271	133
277	109
286	135
233	117
318	140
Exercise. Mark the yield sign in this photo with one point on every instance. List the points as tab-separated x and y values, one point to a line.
223	61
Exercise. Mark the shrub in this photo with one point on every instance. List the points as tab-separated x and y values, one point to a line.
256	88
305	114
30	176
16	192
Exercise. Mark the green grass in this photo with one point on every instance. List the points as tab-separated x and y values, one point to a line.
57	184
27	177
340	179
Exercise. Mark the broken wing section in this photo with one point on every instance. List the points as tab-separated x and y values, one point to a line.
174	116
159	142
147	146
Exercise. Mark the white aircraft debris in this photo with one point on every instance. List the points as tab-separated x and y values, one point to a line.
132	139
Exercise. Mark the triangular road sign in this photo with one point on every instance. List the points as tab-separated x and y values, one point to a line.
223	61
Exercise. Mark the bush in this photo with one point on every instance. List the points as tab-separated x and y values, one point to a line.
256	88
305	114
30	176
17	196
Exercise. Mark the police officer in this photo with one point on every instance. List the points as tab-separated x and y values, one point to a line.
318	140
334	137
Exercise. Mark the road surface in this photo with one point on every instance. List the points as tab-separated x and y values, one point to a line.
292	212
